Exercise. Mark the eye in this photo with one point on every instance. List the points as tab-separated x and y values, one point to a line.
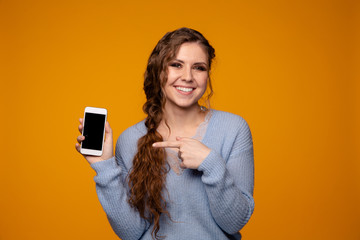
200	68
175	65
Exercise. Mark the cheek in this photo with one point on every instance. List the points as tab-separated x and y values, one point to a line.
203	80
172	75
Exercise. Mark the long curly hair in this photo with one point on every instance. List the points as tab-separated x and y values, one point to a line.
148	174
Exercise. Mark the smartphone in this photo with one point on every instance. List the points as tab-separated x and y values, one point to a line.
94	131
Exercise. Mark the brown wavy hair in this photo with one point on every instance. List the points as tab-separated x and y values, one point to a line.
148	174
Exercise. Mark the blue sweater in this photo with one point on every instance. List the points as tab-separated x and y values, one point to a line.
213	202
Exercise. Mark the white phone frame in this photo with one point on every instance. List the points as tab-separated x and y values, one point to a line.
94	110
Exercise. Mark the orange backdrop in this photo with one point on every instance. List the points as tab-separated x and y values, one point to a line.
290	68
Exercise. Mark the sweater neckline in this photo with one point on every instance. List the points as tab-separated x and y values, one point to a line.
172	155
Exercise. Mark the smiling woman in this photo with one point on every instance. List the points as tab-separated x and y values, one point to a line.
187	77
186	171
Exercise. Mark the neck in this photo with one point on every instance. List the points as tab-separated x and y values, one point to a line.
180	118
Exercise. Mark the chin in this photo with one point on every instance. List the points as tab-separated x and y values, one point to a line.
185	106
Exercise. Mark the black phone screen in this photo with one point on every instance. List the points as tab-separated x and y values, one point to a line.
93	131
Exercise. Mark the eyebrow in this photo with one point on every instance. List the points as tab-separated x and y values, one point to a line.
178	60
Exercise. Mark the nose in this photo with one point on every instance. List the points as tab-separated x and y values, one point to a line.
187	74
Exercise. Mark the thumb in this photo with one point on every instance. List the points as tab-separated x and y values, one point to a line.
108	131
183	138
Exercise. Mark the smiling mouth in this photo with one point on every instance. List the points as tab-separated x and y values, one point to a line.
185	89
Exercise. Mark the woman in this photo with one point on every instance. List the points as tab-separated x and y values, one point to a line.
185	172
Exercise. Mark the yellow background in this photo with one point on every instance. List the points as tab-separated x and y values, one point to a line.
290	68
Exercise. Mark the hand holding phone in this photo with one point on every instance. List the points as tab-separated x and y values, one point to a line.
94	129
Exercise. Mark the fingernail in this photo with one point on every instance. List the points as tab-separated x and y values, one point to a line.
154	145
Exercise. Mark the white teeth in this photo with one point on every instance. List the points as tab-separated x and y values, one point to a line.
184	89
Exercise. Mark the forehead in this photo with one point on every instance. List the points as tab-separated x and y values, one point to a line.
193	52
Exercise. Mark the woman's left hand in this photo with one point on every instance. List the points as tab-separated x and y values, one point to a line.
191	151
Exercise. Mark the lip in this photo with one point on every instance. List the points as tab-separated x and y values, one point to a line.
184	93
184	86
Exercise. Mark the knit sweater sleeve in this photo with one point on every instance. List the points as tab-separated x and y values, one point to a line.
112	192
229	182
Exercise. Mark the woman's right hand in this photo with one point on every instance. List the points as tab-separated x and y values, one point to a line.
108	150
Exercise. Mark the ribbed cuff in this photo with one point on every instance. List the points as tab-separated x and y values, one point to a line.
106	171
213	168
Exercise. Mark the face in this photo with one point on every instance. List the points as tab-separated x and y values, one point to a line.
187	77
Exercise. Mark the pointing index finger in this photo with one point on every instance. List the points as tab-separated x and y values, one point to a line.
167	144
